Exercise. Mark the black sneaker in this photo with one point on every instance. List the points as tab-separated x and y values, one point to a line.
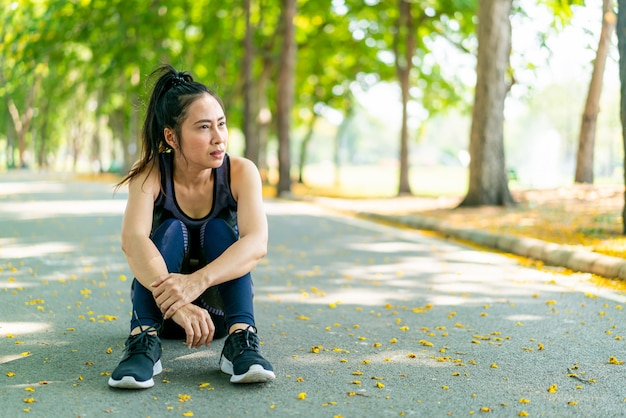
241	358
141	361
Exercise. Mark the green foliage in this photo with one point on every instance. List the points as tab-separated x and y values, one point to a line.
92	57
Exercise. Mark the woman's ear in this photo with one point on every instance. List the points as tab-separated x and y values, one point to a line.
170	138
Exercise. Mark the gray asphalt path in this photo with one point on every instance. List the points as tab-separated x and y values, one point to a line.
359	319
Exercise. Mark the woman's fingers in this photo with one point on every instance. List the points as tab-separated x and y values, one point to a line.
160	280
197	334
208	330
198	325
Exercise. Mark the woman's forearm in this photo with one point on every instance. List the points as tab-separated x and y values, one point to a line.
144	259
238	259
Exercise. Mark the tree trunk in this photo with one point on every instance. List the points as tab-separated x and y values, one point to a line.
10	149
134	132
621	46
405	31
304	146
117	125
41	145
263	121
22	121
341	130
96	139
252	144
285	95
488	182
587	138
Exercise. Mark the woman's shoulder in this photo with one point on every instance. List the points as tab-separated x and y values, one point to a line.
244	174
241	167
148	179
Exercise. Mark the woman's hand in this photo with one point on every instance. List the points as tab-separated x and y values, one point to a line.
197	323
173	291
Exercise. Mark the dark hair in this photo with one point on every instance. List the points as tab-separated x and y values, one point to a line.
172	94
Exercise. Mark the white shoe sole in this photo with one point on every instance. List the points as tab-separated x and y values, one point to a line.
129	382
255	374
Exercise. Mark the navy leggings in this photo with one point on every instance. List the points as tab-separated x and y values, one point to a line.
174	242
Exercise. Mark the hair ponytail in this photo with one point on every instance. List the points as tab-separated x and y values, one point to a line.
171	95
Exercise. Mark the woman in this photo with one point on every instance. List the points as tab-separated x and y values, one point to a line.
193	229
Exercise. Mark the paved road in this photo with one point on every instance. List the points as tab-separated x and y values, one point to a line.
364	319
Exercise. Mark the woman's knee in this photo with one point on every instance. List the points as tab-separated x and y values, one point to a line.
219	227
172	240
216	235
170	229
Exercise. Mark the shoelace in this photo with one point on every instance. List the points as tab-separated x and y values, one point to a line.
246	340
141	343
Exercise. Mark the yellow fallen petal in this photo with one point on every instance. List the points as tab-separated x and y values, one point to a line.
302	395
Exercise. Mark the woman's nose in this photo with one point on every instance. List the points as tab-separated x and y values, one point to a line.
218	136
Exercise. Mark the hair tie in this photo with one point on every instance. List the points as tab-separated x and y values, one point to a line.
177	80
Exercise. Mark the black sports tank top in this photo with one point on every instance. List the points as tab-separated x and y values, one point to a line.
165	207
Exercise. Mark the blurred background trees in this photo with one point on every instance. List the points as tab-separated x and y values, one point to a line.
375	97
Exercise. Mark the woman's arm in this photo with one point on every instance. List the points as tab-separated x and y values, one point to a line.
172	292
146	262
144	259
241	257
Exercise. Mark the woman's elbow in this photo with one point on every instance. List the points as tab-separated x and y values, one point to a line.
124	246
261	248
128	242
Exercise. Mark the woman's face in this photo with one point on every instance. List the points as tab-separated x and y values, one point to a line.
204	134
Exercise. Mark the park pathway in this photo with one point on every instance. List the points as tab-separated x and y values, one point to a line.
359	320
